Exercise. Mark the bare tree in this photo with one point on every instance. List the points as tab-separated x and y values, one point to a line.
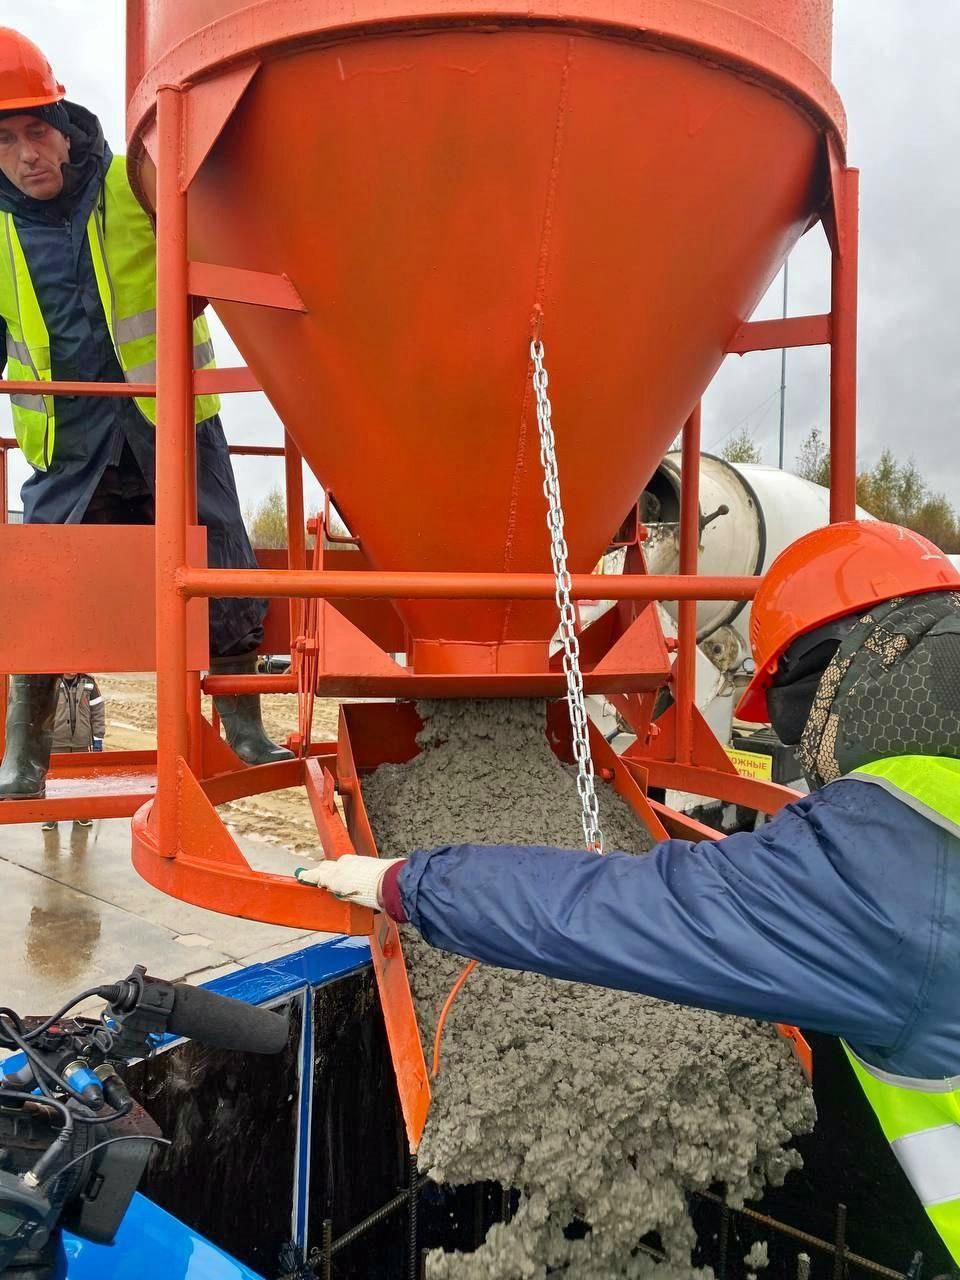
813	460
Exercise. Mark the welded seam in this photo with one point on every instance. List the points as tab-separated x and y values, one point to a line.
536	317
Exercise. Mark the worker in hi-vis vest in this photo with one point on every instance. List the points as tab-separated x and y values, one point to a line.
78	304
840	915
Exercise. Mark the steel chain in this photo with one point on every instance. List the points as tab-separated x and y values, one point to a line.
586	781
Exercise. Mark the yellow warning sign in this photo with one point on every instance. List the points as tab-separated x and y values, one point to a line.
752	764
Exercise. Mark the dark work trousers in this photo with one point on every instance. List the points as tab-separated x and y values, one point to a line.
123	496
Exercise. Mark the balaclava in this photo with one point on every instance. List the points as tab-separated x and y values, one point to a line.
891	688
798	676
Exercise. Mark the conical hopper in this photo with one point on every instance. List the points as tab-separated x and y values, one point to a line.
431	190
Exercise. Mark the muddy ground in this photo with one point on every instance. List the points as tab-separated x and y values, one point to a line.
280	817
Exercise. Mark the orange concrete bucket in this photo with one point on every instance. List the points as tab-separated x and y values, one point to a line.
440	181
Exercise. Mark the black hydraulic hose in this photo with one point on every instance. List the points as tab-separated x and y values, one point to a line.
84	1116
33	1058
34	1032
41	1066
61	1143
12	1016
63	1138
108	1142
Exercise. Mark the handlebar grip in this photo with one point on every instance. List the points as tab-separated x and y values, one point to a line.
224	1023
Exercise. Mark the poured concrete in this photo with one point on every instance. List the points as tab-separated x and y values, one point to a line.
600	1106
75	913
758	1257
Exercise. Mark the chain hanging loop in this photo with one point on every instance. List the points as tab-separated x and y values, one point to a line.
579	725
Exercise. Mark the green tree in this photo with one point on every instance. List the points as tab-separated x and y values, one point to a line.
741	448
267	525
889	490
892	490
937	521
896	491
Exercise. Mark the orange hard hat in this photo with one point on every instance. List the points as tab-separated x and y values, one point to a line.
26	78
827	574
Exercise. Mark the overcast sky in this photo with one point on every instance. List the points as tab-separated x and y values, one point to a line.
895	68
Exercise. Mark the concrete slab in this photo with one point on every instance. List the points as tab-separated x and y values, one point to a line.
56	940
75	913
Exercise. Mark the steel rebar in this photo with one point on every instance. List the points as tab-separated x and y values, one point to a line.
724	1242
815	1242
326	1250
374	1219
413	1217
840	1243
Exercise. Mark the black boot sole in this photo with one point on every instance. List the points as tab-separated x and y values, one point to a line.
256	763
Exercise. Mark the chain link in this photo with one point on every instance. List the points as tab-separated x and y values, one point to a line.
586	782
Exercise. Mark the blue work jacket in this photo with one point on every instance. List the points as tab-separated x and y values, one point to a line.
841	915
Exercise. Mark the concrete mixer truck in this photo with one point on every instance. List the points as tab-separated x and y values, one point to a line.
748	514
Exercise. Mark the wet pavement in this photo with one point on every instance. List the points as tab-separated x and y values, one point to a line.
74	913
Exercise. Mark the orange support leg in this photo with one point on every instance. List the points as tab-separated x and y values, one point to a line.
174	398
843	347
194	705
296	526
4	508
685	670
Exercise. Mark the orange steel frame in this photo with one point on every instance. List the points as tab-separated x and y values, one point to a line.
179	842
678	751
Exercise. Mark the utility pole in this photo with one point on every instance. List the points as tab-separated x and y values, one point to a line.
783	362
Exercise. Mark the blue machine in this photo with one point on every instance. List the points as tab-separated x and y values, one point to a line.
154	1245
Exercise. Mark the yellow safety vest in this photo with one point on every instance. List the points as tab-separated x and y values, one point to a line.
124	252
921	1118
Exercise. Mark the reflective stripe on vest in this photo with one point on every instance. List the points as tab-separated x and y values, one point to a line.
123	251
921	1118
931	1160
921	1121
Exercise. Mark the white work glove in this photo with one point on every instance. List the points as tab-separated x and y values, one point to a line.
351	877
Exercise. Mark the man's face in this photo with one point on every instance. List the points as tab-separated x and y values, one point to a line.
31	155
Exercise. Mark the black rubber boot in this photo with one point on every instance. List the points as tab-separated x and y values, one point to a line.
240	715
31	708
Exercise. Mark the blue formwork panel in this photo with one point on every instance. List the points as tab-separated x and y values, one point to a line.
152	1244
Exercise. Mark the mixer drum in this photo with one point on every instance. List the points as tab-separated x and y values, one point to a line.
431	192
